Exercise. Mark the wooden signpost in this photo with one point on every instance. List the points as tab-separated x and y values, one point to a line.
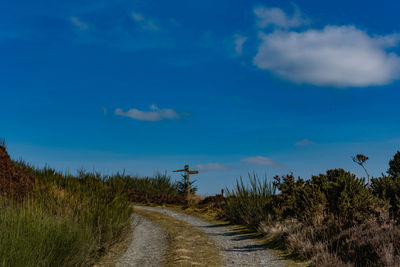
186	175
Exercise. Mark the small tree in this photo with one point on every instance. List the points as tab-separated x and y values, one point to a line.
181	186
394	165
360	159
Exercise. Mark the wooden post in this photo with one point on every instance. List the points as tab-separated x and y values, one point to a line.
187	173
187	182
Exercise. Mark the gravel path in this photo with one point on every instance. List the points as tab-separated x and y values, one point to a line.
236	248
148	244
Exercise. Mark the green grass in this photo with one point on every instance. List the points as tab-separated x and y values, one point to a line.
68	221
249	204
31	237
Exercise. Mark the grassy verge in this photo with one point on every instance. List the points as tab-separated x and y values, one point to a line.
188	246
52	219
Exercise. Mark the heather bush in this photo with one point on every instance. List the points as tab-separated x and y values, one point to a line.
369	244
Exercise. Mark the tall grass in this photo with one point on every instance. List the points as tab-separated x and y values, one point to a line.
68	221
30	236
249	203
160	183
158	189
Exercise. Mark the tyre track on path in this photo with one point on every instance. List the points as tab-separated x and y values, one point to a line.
148	245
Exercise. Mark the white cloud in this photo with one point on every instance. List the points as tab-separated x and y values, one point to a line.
239	41
260	160
267	16
155	114
304	142
212	167
339	56
145	23
79	23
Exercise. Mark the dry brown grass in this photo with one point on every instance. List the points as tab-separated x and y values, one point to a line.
188	246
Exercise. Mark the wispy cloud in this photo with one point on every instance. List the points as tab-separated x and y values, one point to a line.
339	56
239	40
212	167
146	24
304	142
267	16
155	114
79	23
262	161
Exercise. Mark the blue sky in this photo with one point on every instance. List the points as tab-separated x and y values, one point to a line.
226	86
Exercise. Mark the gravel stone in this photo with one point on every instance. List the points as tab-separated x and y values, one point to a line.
235	248
148	245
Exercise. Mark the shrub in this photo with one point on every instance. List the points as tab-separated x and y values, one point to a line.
388	189
181	186
298	199
394	165
347	197
337	193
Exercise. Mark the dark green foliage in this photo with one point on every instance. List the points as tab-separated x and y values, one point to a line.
388	188
181	186
291	200
347	197
337	193
394	165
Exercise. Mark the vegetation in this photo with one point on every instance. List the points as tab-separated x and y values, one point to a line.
66	221
158	189
336	218
181	186
53	219
394	165
333	219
